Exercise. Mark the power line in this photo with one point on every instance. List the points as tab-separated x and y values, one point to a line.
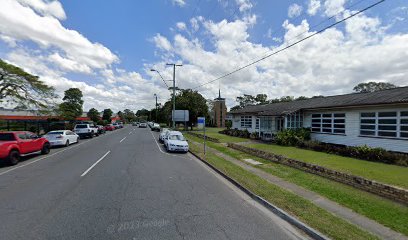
291	45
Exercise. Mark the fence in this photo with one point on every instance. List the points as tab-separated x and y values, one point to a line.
36	126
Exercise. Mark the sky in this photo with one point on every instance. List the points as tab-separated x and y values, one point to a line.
107	48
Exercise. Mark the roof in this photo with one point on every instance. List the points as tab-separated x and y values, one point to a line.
389	96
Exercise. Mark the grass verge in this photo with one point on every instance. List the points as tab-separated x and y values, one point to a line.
384	173
384	211
320	219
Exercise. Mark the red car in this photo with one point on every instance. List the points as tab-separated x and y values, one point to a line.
14	145
109	127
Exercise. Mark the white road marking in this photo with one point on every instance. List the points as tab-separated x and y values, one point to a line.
93	165
130	133
50	155
122	139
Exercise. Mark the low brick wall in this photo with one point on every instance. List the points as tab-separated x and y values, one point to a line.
216	140
390	192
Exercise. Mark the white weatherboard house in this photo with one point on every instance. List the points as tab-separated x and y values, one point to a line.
377	119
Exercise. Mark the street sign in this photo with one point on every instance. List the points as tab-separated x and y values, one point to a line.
200	122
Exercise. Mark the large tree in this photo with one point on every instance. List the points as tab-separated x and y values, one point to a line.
71	108
107	114
93	114
373	87
21	88
129	115
190	100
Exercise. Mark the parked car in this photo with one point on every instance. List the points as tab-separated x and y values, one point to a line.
14	145
62	137
86	130
115	125
120	124
143	125
101	129
109	127
175	142
162	134
155	127
135	124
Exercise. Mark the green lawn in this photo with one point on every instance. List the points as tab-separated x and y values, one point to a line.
330	225
386	212
213	132
385	173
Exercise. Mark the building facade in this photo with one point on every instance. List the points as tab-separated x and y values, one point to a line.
378	119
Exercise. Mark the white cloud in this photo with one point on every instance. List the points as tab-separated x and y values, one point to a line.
181	26
180	3
329	63
47	8
68	64
333	7
162	42
20	22
128	90
294	10
313	6
244	5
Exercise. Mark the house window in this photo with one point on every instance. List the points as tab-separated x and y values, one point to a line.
294	120
246	121
257	123
334	123
390	124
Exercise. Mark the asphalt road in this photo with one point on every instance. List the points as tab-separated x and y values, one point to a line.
122	185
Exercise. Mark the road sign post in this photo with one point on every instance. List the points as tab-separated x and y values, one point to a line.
201	125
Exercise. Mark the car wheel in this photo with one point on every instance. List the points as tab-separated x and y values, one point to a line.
13	157
46	148
91	135
77	141
67	143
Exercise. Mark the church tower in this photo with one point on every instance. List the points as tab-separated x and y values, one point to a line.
220	111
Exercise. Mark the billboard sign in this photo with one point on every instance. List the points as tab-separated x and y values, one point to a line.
181	116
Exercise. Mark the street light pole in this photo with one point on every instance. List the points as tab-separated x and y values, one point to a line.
174	91
156	106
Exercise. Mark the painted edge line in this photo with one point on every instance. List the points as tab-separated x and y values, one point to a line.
93	165
276	210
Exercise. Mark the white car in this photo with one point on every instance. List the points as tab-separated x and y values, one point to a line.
155	127
62	137
175	142
86	130
143	125
163	134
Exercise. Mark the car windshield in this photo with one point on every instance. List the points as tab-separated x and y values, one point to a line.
81	126
176	137
55	133
7	137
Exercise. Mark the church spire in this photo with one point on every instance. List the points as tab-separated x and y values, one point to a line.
219	93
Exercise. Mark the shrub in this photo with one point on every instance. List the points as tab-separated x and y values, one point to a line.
363	152
292	137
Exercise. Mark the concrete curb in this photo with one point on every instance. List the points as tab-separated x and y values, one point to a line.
276	210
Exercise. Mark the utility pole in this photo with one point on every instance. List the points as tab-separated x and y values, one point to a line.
174	90
156	106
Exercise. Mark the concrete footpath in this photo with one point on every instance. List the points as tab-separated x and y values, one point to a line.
333	207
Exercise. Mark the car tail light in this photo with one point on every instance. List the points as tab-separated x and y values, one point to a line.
59	136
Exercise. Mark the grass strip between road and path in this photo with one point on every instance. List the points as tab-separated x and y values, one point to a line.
214	133
380	172
316	217
381	210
